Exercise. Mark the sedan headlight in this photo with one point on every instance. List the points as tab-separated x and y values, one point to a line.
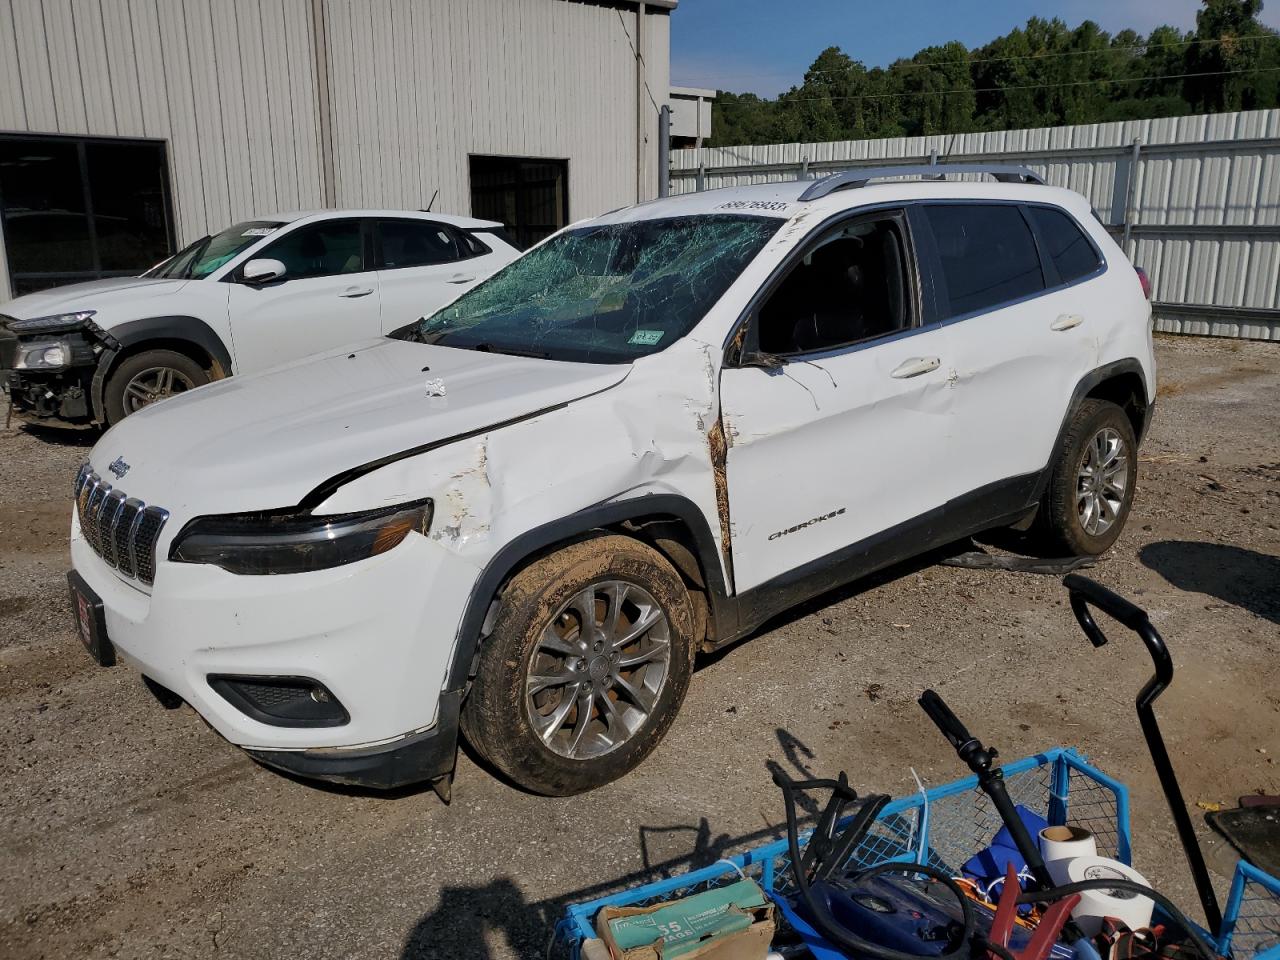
56	323
43	354
296	543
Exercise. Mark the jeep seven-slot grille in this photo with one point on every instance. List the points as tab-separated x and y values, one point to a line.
121	530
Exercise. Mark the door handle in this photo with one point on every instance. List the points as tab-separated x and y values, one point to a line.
461	278
1066	321
915	366
352	292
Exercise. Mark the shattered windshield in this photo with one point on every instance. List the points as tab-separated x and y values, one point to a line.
603	294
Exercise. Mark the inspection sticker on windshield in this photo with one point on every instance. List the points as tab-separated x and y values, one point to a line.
646	337
259	232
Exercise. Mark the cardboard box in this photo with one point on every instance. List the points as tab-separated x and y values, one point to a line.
733	922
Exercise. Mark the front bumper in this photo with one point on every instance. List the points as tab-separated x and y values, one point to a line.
417	758
378	633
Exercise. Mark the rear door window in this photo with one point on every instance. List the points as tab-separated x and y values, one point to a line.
1064	243
987	254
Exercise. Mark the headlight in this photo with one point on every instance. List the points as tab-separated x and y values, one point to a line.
48	354
57	323
296	543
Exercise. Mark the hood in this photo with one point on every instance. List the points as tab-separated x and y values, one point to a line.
93	295
264	441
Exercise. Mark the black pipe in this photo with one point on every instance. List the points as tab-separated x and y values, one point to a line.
990	780
1084	592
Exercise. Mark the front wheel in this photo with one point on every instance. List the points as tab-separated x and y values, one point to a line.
1091	488
149	377
586	666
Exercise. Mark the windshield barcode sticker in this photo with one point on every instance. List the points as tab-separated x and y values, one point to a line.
646	337
259	232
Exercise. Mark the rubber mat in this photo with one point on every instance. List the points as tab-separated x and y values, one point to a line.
1255	832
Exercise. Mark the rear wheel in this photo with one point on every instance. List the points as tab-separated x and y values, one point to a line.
587	664
147	378
1091	488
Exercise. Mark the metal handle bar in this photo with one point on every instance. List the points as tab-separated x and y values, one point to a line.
1085	592
945	720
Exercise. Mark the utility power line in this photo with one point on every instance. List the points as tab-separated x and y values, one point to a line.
904	64
1025	86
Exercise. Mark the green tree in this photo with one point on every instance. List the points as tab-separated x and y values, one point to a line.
1042	74
1233	49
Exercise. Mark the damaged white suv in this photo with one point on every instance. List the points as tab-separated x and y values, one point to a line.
525	514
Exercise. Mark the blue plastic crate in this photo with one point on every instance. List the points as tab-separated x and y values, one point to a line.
947	825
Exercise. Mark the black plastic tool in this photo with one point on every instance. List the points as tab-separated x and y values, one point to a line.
1085	593
981	761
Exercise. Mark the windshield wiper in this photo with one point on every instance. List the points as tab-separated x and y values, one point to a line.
510	351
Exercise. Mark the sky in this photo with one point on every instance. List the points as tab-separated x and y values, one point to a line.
765	46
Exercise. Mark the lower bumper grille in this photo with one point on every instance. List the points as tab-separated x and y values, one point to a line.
120	529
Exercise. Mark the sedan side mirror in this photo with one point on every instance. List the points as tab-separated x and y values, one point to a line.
263	271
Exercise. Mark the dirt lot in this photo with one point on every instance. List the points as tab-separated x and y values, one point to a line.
132	831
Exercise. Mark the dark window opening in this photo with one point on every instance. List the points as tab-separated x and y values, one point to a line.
78	208
987	253
851	286
1065	244
319	250
418	243
529	197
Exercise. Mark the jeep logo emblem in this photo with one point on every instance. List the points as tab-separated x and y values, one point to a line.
119	467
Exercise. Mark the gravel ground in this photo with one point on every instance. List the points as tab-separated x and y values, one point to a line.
132	831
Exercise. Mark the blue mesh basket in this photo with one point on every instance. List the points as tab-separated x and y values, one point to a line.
947	825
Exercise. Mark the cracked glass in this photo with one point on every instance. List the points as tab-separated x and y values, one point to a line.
602	294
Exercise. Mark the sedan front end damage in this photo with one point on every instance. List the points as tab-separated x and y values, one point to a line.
48	365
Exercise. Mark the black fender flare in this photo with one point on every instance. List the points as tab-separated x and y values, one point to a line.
193	330
534	542
1129	365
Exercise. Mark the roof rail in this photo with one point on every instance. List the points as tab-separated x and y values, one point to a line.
853	179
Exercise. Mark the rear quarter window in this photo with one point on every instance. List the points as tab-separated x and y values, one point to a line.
1072	253
987	254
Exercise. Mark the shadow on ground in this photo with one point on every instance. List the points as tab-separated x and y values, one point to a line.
479	922
63	436
1244	578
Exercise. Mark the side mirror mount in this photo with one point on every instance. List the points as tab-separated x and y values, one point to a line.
262	271
762	360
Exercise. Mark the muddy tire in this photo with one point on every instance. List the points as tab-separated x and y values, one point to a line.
149	377
588	661
1090	490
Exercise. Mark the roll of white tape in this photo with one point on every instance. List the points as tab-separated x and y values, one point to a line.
1133	909
1060	844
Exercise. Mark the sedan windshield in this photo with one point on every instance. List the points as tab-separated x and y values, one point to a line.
207	254
602	294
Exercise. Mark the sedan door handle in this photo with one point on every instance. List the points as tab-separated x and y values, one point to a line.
1066	321
916	366
461	278
352	292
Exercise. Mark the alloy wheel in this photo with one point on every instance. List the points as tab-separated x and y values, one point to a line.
1102	481
153	384
598	669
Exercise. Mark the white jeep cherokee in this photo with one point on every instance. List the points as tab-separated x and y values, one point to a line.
524	515
258	294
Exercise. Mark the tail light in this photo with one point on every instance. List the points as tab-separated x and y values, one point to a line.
1144	280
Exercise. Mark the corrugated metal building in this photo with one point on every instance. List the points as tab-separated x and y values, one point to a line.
129	127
